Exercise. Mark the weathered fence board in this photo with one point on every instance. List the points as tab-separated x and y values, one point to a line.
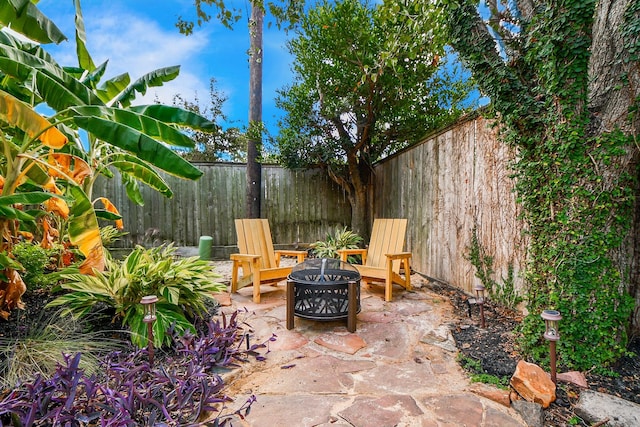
444	186
302	206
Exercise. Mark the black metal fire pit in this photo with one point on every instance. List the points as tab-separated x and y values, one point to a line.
323	289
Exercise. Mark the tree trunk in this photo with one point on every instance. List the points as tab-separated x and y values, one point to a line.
254	143
575	124
357	187
610	100
360	213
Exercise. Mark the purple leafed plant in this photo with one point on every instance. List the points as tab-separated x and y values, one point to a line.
183	389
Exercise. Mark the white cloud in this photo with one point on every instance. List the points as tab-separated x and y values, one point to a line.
136	45
140	36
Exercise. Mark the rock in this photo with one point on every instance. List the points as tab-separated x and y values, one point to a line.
533	384
573	377
596	407
493	393
223	298
349	344
530	412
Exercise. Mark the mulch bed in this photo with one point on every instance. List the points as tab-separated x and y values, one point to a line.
495	349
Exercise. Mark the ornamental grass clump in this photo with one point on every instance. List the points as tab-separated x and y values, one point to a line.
183	285
43	346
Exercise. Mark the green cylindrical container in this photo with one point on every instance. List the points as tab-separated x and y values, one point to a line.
204	247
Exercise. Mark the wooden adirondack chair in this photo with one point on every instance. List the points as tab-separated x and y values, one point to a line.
259	262
381	261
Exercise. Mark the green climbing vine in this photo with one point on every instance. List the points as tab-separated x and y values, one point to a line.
576	185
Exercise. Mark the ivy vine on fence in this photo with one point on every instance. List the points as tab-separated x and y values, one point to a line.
575	178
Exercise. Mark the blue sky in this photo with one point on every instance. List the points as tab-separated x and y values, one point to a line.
139	36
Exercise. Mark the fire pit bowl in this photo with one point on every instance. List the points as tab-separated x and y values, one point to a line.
323	289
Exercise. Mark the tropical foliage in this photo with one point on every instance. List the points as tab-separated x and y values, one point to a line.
49	167
37	262
369	80
342	238
183	286
43	346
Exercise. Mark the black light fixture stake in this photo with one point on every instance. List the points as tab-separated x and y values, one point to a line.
551	319
479	289
149	304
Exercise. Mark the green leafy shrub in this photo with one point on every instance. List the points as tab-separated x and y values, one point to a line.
37	263
181	284
341	239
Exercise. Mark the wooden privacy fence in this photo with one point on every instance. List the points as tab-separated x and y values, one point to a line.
444	186
302	206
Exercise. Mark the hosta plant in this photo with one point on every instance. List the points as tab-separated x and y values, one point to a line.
183	285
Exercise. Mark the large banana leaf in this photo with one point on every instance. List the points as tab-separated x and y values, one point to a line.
84	231
31	198
155	78
133	190
57	88
141	171
26	46
145	124
84	58
92	78
136	142
16	113
25	18
112	87
7	211
175	115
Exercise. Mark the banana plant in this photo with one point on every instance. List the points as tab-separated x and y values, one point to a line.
45	161
25	18
136	164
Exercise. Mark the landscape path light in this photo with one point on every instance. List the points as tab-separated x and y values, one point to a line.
479	289
551	319
149	304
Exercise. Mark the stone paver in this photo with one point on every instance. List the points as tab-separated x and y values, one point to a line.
398	369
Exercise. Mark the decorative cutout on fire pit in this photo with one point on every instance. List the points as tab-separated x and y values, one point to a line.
321	288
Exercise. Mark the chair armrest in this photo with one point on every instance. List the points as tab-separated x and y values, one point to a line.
301	255
287	252
400	255
352	251
344	254
244	257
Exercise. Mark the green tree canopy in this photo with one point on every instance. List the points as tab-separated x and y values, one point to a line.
369	80
216	144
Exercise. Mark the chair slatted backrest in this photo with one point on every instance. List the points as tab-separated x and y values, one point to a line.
387	237
254	237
